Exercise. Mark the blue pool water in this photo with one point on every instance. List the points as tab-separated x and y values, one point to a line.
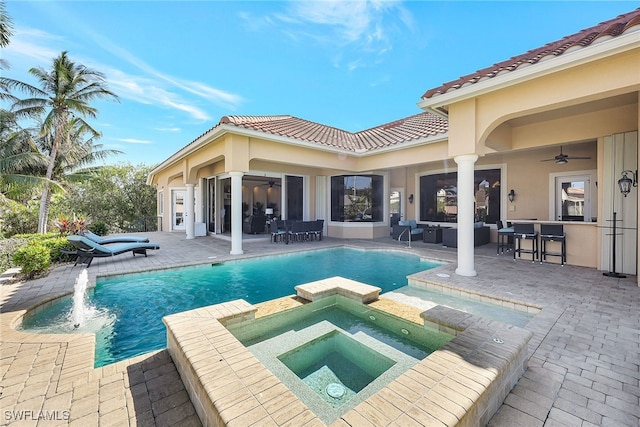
135	304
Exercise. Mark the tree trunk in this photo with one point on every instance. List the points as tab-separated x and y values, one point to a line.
45	200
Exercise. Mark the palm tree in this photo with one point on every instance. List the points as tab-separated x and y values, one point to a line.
6	31
77	163
19	157
6	26
63	97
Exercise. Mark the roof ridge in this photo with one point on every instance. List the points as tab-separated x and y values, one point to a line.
237	120
420	125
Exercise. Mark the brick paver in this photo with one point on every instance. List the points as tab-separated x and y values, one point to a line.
584	367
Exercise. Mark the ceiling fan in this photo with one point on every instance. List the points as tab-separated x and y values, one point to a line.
563	159
271	183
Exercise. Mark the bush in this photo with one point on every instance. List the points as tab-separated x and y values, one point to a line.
34	258
18	244
17	219
99	228
7	248
56	245
72	225
36	236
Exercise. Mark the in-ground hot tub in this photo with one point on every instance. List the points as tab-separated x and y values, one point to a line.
461	383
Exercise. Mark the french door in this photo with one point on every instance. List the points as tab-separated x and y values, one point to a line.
178	210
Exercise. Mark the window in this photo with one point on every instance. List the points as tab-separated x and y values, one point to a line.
573	198
295	197
357	198
439	196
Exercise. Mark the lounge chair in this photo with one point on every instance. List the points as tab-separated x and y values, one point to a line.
87	250
117	239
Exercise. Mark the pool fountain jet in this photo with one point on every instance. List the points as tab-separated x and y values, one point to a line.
79	291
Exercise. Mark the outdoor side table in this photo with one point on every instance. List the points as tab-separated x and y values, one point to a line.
432	235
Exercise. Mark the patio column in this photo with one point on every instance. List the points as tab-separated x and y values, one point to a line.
236	213
189	214
465	214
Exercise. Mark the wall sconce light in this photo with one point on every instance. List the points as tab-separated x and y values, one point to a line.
625	183
411	198
512	195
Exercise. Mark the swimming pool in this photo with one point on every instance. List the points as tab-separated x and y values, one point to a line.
135	304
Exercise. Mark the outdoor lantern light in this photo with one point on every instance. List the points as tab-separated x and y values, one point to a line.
512	195
625	182
410	198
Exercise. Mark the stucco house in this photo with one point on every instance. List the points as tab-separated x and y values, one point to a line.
558	125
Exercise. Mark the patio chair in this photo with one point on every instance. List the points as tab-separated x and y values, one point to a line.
298	231
87	250
116	239
278	231
316	229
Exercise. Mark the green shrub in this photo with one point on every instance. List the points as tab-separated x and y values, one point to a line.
17	219
56	245
99	228
37	236
34	258
7	249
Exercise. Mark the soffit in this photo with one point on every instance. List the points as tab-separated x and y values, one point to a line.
584	108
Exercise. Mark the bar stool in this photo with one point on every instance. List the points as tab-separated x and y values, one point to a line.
505	237
553	233
525	232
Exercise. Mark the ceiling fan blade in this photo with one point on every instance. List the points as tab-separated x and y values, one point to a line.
579	158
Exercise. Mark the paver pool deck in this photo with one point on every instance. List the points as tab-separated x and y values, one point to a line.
584	366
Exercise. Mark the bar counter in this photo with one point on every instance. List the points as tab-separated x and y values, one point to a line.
582	241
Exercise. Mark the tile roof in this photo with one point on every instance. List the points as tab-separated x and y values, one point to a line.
603	31
419	126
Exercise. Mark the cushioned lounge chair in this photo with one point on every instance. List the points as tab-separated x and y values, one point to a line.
116	239
87	250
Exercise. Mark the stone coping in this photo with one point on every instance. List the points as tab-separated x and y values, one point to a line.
429	280
314	291
461	384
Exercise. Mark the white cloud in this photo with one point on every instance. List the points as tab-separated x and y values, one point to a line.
146	87
151	87
169	129
133	141
356	33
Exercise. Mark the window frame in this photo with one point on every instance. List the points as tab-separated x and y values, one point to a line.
501	168
378	205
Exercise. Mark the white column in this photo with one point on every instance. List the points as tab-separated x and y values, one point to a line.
465	214
200	192
189	213
236	213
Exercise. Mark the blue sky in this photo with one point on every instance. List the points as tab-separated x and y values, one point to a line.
178	67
